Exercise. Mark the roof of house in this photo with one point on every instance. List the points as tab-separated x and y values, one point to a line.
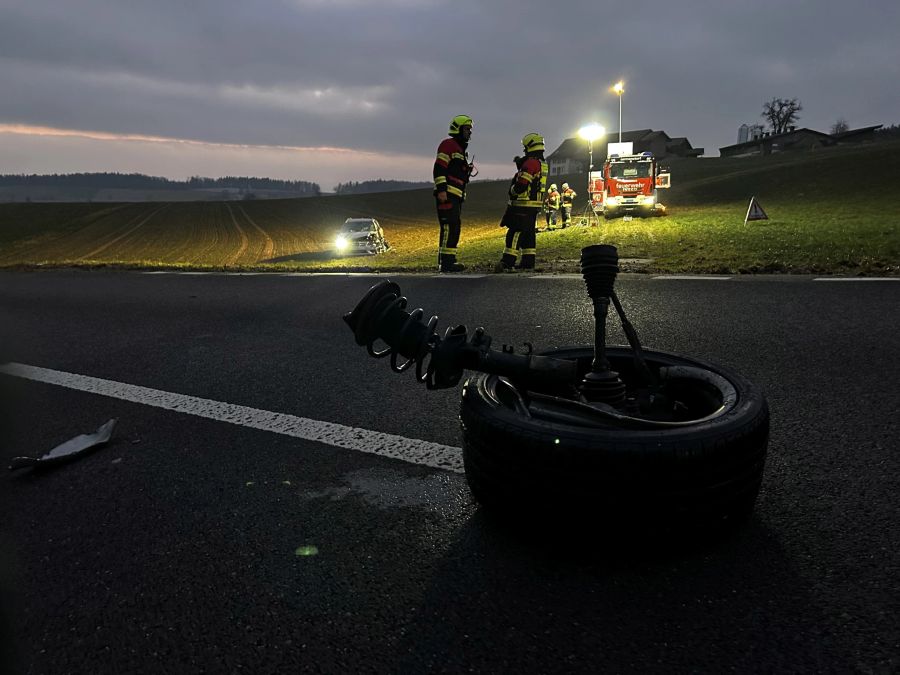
855	132
571	147
636	135
763	139
653	135
576	147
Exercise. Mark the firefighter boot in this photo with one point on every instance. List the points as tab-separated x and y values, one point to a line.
527	261
448	264
507	263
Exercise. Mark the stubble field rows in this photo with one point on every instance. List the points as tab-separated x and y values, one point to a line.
829	212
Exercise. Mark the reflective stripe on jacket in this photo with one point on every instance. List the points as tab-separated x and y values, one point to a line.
451	169
531	179
553	200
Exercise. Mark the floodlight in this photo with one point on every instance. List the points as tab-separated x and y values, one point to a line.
592	132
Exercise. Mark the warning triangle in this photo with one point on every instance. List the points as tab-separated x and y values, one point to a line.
755	211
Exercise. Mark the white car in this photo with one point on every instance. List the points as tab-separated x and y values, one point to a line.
360	236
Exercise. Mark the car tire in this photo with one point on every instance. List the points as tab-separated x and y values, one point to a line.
701	477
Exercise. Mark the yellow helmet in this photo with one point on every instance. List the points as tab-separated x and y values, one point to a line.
553	187
458	122
565	186
532	142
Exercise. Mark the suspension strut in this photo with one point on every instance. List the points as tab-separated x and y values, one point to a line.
440	362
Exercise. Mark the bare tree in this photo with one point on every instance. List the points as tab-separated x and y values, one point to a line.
840	126
781	113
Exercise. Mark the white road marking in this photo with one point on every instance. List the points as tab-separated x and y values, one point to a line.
280	274
384	275
857	279
411	450
704	277
343	274
338	274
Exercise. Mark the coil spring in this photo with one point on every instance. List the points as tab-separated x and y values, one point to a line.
427	340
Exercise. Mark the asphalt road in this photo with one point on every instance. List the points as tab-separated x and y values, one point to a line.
190	544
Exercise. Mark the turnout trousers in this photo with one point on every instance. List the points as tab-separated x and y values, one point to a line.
449	216
553	218
520	237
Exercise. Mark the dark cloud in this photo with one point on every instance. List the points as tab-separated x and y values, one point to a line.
387	76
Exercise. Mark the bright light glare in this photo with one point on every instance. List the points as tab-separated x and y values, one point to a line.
592	132
619	87
340	243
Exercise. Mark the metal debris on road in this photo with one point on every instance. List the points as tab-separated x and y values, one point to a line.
68	450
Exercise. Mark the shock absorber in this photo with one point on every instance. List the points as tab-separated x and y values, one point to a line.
382	315
440	362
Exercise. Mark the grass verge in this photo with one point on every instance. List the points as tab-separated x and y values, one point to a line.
830	212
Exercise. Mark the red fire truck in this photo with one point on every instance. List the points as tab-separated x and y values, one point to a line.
627	185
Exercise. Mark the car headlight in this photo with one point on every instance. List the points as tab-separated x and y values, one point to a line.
612	201
647	199
340	243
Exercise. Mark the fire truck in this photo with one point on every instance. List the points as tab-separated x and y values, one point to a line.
627	185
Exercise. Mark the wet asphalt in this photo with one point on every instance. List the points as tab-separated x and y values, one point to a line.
190	545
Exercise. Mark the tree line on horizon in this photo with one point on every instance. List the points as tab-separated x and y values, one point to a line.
379	185
137	181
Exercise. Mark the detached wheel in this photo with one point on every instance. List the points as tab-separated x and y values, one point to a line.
700	472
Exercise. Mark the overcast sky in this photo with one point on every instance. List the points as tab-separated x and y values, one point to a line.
338	90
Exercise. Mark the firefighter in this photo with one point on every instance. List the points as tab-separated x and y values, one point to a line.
526	196
545	209
553	203
451	175
568	199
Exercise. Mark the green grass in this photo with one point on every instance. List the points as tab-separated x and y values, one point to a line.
831	212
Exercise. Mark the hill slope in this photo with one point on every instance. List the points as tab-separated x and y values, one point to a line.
832	210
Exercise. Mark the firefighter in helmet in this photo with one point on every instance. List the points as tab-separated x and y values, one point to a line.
526	197
545	210
553	203
452	170
568	199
